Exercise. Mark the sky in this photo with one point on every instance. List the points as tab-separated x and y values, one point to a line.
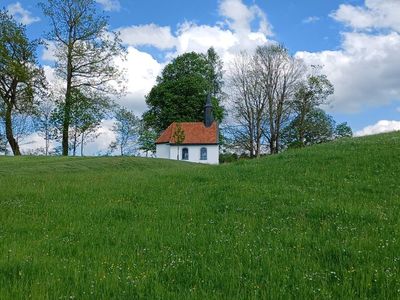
357	43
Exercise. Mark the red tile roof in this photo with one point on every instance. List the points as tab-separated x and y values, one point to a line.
195	133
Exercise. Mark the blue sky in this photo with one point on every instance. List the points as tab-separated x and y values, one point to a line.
356	41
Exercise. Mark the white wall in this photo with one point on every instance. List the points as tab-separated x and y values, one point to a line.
162	150
194	153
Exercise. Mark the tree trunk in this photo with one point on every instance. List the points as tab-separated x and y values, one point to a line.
301	129
9	131
47	138
67	109
74	145
82	139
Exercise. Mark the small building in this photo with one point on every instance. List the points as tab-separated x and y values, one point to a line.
201	142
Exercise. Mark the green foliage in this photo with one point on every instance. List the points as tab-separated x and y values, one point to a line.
310	94
319	127
228	157
86	52
87	110
20	77
126	129
147	140
343	130
323	224
181	91
179	134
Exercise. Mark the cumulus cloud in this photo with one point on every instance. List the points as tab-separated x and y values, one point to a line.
110	5
101	144
239	17
21	14
233	33
380	127
149	35
141	73
365	72
376	14
366	69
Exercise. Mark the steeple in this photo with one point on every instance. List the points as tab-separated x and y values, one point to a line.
208	112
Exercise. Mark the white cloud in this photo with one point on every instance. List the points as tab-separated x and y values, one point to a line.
380	127
49	51
365	72
103	141
312	19
239	17
21	14
376	14
366	69
110	5
190	36
150	34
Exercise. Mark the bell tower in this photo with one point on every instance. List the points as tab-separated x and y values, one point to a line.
208	112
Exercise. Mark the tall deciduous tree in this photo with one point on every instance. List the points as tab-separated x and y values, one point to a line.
249	104
86	51
215	73
281	74
181	91
20	76
310	94
88	109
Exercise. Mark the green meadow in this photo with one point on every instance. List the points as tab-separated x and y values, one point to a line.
316	223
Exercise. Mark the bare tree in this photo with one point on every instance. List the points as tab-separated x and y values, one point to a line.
86	51
280	74
249	103
43	122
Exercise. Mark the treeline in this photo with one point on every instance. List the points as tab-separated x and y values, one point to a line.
269	102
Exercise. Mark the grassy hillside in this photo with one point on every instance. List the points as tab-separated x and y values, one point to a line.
316	223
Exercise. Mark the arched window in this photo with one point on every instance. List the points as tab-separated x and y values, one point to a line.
203	153
185	154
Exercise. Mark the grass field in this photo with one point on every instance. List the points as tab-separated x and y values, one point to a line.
317	223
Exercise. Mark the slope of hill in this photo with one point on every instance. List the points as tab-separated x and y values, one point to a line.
316	223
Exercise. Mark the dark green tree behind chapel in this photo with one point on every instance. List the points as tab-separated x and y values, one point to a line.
182	88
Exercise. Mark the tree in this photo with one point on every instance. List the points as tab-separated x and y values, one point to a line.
180	92
126	129
20	77
178	137
215	73
43	122
147	139
249	103
343	130
88	109
280	74
310	94
3	137
319	127
85	54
